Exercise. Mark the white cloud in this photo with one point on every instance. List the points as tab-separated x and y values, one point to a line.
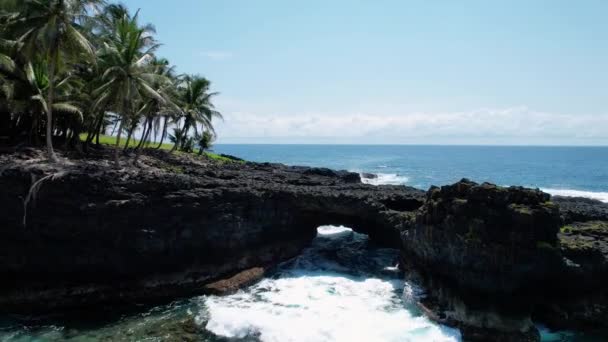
517	125
217	55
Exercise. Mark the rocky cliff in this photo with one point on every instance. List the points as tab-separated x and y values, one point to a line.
492	259
87	233
495	258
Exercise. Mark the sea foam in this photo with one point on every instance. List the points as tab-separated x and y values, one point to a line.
327	294
386	178
601	196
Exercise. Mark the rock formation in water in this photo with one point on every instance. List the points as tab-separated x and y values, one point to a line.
494	258
491	258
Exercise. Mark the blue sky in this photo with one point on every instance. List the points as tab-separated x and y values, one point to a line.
427	72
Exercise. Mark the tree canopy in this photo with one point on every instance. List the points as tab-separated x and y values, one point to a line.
72	69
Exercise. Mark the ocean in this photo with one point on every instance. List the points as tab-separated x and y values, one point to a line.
342	288
568	171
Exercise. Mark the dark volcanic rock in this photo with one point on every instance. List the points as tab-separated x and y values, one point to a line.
369	175
485	237
580	209
166	228
584	246
493	257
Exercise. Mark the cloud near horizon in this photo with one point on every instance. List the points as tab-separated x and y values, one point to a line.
510	126
217	55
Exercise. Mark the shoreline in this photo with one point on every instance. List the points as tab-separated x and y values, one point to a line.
176	205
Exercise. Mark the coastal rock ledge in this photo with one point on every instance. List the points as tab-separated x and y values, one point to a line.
491	259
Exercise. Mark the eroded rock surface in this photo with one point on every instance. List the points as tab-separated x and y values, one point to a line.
169	226
492	259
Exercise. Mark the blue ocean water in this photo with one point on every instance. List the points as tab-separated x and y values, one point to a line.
575	171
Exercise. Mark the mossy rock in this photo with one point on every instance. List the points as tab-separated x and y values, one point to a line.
585	239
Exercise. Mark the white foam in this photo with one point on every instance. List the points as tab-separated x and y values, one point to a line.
386	178
601	196
323	309
331	230
315	298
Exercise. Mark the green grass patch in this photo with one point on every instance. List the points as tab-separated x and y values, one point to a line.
111	141
222	159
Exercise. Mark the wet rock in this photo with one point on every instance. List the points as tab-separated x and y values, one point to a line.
369	175
232	284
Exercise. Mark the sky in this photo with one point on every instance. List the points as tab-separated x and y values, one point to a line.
502	72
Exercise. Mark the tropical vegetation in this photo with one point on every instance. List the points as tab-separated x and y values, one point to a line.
72	71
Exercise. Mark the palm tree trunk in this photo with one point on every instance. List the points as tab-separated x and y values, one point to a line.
90	134
93	130
114	128
143	138
144	133
130	134
117	147
178	138
162	136
98	128
147	140
49	107
183	136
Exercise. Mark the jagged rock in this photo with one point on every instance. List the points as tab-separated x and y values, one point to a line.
580	209
169	226
583	299
585	244
493	257
369	175
484	237
490	257
239	280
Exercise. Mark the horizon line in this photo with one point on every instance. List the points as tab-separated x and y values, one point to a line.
406	144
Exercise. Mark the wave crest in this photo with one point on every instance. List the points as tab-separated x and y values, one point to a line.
386	179
601	196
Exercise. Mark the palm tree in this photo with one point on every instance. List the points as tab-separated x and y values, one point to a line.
197	108
50	28
125	56
24	83
204	141
153	109
52	80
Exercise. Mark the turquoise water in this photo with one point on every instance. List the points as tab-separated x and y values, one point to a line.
581	171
